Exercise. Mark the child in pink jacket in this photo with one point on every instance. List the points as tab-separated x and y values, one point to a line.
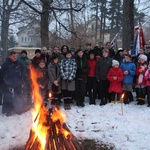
147	78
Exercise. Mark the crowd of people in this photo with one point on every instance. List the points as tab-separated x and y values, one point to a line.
97	72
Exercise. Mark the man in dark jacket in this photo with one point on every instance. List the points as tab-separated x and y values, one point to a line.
102	68
81	75
12	74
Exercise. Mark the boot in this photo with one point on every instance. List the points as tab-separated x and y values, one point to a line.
103	102
92	101
113	101
67	104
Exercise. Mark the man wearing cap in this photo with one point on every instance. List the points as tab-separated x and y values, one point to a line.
37	58
23	58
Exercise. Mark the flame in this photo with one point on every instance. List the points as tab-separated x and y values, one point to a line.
50	95
58	115
122	96
65	132
38	113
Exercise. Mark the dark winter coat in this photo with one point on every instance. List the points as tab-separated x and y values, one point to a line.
12	73
82	67
45	57
42	77
115	85
53	74
102	68
36	61
23	60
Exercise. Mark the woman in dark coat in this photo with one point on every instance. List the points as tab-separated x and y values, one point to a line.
54	79
42	78
81	77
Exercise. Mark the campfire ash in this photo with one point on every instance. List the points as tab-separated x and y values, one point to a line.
49	130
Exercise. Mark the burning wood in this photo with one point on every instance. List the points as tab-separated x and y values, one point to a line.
59	137
49	131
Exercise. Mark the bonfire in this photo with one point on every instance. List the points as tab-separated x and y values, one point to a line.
49	130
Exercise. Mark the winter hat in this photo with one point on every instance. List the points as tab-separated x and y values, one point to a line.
115	62
24	51
37	51
54	56
142	56
68	51
72	49
91	52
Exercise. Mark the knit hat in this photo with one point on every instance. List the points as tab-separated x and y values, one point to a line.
68	51
54	56
142	56
91	52
37	51
115	62
24	51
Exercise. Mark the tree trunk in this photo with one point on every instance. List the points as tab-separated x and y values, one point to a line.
4	32
128	24
45	24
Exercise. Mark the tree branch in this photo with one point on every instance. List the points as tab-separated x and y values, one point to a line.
68	9
62	24
32	7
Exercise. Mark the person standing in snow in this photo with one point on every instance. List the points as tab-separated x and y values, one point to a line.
91	78
147	80
102	68
129	70
115	77
140	81
68	68
54	79
81	76
42	79
12	77
23	58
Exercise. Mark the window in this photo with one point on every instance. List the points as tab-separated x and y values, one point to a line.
31	32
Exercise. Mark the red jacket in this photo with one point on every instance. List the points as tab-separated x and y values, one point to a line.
92	65
140	76
115	85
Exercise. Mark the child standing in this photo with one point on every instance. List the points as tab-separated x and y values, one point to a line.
42	78
140	81
147	78
91	77
129	70
115	77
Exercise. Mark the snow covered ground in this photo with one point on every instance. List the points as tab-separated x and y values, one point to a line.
130	131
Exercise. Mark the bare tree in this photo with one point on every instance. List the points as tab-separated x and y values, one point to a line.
49	7
128	24
7	7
